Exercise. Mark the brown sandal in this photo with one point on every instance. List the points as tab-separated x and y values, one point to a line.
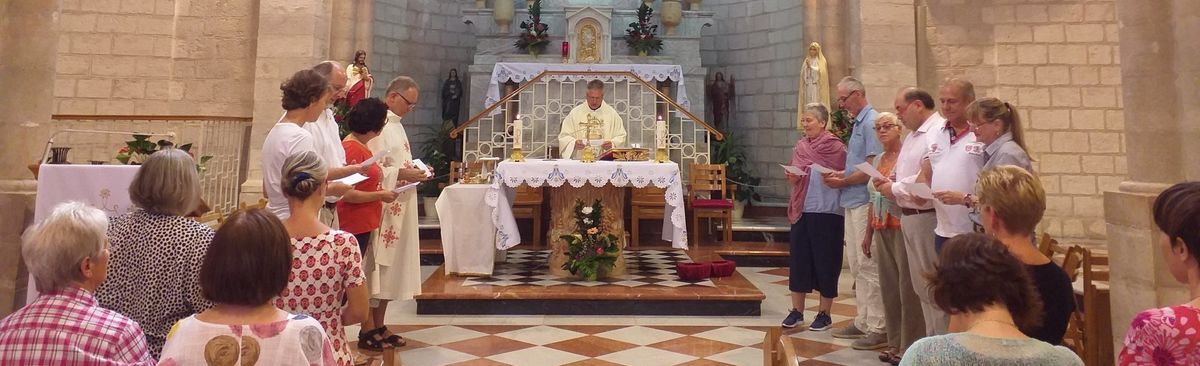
889	357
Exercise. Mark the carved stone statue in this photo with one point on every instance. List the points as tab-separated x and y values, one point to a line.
721	96
814	78
452	91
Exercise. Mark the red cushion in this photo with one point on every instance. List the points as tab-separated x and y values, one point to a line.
691	271
723	268
712	203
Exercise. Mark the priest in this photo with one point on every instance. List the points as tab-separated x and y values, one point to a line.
591	121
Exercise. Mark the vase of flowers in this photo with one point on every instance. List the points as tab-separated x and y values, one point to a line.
534	34
140	148
842	125
640	37
590	252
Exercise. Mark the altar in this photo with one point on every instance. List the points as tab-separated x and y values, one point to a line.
569	180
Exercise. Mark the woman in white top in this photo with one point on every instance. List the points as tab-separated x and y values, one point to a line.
305	96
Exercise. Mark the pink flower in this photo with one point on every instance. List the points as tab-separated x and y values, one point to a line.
599	251
593	231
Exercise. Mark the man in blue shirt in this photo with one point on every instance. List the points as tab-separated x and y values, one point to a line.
868	325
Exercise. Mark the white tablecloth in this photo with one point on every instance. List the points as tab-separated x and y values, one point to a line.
468	236
555	173
521	72
103	186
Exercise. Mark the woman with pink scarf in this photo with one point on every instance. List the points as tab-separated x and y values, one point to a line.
816	218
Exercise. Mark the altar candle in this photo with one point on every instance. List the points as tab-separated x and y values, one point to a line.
518	124
566	49
660	133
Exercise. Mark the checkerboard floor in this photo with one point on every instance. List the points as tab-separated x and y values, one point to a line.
535	340
642	268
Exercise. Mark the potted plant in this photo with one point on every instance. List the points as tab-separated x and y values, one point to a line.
841	125
590	252
437	152
534	34
641	34
732	153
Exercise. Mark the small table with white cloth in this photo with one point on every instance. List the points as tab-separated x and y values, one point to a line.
468	236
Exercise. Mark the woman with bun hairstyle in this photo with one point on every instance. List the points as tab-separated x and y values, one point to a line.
326	263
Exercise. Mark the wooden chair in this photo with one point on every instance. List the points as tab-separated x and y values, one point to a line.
526	205
1097	324
778	349
1046	245
710	178
647	203
1072	263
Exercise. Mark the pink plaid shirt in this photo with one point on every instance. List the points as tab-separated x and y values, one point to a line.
66	327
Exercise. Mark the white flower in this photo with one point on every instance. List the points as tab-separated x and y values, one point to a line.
587	221
586	210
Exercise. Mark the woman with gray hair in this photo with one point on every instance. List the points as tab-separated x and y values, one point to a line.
156	251
67	256
816	216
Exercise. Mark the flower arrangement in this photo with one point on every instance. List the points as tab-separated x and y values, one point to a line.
589	251
841	127
534	34
640	35
137	151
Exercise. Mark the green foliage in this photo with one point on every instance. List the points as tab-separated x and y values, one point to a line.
589	251
436	153
640	37
534	34
842	126
732	153
140	148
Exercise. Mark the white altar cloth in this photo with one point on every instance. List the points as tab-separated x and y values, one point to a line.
535	173
468	236
102	186
521	72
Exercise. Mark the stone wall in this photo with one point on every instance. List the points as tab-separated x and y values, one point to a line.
1058	62
155	57
759	43
422	39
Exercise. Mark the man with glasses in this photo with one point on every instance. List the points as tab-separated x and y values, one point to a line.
326	140
593	121
868	325
917	219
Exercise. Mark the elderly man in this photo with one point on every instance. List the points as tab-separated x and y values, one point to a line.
394	260
955	159
326	139
917	219
863	146
67	255
591	121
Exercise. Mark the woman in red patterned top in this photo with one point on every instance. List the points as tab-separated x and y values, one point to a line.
1171	336
361	209
884	242
326	263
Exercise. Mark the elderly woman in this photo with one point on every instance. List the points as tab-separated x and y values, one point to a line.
305	96
156	251
1011	203
318	249
1169	336
247	265
67	256
816	217
998	126
903	319
992	303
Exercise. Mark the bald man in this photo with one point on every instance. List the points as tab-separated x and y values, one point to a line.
326	140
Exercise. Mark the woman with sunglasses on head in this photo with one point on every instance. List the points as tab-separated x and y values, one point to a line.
903	319
998	126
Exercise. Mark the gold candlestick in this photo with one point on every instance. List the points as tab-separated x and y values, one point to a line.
660	155
516	155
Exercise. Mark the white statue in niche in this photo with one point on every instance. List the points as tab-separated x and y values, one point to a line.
814	77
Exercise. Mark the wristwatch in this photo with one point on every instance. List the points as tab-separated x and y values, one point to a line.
967	201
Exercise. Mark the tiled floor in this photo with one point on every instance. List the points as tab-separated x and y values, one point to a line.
535	340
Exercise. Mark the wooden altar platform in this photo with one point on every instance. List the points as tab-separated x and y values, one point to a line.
520	287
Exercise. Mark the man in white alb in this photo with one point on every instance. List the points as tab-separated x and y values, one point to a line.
591	121
326	140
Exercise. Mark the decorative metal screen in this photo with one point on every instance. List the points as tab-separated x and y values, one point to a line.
544	104
226	139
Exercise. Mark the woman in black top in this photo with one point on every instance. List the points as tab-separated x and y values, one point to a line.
1011	203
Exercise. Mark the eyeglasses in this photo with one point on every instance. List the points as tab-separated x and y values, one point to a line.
885	127
843	99
410	103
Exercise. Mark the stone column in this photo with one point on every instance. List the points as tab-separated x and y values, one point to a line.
824	23
1155	73
352	24
28	50
886	48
